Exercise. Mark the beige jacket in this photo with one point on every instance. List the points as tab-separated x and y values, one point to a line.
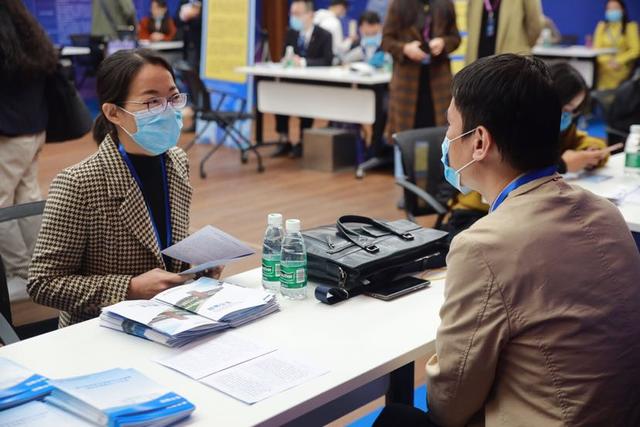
519	25
541	319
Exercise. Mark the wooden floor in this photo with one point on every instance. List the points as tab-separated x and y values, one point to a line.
237	199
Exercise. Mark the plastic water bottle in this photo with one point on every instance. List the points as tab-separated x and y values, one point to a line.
287	60
632	152
271	251
293	263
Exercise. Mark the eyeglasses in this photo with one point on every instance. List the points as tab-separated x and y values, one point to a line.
159	104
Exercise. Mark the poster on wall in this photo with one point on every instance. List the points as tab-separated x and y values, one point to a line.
228	43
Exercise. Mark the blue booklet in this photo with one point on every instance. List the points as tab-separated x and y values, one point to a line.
119	397
19	385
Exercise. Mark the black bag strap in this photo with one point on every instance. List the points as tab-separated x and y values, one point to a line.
363	241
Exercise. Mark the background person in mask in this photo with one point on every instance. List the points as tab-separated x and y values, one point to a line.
108	217
312	48
541	295
579	149
616	31
367	48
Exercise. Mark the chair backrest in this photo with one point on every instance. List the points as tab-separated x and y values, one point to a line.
200	97
421	150
11	213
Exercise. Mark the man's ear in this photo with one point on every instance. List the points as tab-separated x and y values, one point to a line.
482	143
111	112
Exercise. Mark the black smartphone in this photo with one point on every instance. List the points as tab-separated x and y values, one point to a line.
401	287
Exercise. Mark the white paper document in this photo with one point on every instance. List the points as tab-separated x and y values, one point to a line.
264	376
207	248
215	354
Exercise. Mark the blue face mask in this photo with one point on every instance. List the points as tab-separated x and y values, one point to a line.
450	174
613	15
371	41
565	120
158	133
295	23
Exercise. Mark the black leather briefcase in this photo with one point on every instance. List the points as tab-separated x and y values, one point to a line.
359	254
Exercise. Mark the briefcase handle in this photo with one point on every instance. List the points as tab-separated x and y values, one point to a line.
362	241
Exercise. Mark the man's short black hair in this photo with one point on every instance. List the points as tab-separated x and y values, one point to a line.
514	98
344	3
370	17
308	4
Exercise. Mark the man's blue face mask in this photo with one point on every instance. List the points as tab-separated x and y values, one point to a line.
295	23
450	174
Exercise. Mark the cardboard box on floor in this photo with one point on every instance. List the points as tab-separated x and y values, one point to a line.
328	149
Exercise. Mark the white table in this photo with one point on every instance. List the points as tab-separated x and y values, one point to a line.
75	51
360	341
329	93
581	58
162	45
615	169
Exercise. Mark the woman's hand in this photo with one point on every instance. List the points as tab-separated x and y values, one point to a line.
151	283
583	159
436	46
214	273
412	51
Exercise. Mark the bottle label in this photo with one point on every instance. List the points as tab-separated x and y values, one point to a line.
271	270
293	277
632	160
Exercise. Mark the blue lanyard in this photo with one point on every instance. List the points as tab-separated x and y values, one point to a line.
519	182
165	187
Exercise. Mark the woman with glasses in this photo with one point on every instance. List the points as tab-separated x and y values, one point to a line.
108	218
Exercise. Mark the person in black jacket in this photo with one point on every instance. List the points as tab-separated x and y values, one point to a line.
312	47
27	58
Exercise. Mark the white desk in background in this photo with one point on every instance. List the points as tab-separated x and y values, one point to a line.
364	342
329	93
629	207
74	51
162	45
582	58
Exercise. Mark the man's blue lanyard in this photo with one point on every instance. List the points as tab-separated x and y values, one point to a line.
165	187
519	182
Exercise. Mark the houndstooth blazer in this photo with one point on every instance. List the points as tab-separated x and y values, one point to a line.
97	234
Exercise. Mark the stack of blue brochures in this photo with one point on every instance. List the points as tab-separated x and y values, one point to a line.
184	313
19	385
119	397
39	414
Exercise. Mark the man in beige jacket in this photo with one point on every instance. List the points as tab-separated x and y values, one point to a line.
502	26
541	318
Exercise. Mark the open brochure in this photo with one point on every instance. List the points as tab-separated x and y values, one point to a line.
119	397
19	385
208	248
184	313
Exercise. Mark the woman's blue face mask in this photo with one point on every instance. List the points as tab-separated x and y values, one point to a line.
565	120
614	15
158	133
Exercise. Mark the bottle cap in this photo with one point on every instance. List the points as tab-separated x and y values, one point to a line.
274	219
635	128
293	225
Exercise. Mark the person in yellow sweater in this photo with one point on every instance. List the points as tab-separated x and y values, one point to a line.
619	33
580	151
